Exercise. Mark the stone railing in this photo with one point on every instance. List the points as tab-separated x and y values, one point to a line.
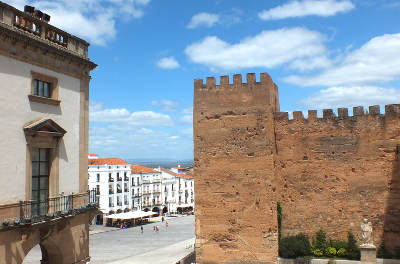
38	28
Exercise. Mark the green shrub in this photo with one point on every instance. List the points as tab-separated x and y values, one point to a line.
294	246
319	241
316	252
279	210
330	252
353	251
383	252
338	244
341	252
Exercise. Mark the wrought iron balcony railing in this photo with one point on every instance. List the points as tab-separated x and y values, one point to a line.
30	212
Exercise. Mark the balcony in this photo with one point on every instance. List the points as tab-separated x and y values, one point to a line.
156	180
146	181
136	195
126	190
110	191
119	191
110	205
119	179
156	191
126	178
31	212
110	179
38	27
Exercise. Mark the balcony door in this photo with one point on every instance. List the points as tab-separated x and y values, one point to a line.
40	180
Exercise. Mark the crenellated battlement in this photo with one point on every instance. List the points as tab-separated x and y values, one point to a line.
224	82
342	113
237	93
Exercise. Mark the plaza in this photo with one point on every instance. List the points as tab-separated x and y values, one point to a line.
129	246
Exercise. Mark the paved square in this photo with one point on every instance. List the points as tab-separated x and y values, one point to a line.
130	246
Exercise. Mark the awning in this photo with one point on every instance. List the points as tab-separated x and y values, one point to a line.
130	215
184	206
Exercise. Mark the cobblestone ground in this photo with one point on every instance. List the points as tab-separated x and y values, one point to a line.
130	246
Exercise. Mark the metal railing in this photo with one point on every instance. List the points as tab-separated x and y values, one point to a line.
30	212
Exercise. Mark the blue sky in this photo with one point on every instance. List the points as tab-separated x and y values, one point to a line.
320	53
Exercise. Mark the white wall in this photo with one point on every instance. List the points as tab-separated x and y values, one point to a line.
16	110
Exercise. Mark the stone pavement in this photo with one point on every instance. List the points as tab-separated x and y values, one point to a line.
167	255
129	246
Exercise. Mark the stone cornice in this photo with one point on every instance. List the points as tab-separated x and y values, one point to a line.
21	45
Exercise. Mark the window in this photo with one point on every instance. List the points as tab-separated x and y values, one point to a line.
98	189
40	174
98	177
41	88
44	89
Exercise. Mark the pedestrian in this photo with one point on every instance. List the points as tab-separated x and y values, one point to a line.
162	219
154	228
166	224
157	229
141	229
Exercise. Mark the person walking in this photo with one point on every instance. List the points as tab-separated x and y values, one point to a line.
166	224
141	229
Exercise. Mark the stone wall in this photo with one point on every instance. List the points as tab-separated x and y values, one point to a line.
234	159
327	172
334	171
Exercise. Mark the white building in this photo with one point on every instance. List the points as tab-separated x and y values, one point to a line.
178	189
111	177
146	190
44	79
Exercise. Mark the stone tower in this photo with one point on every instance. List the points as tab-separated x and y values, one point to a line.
234	159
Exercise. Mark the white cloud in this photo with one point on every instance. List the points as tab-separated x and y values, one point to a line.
166	105
268	49
122	115
187	119
168	63
307	8
188	110
376	61
203	20
91	20
335	97
123	141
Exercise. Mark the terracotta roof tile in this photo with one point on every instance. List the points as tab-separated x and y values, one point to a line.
141	169
179	175
108	161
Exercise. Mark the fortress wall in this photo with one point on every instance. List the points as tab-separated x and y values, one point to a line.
234	170
333	171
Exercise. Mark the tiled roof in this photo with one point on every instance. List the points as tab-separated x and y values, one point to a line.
108	161
179	175
179	168
141	169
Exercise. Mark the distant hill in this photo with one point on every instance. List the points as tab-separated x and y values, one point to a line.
162	164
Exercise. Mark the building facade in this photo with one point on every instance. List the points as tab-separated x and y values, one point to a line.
178	189
147	189
44	73
111	178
